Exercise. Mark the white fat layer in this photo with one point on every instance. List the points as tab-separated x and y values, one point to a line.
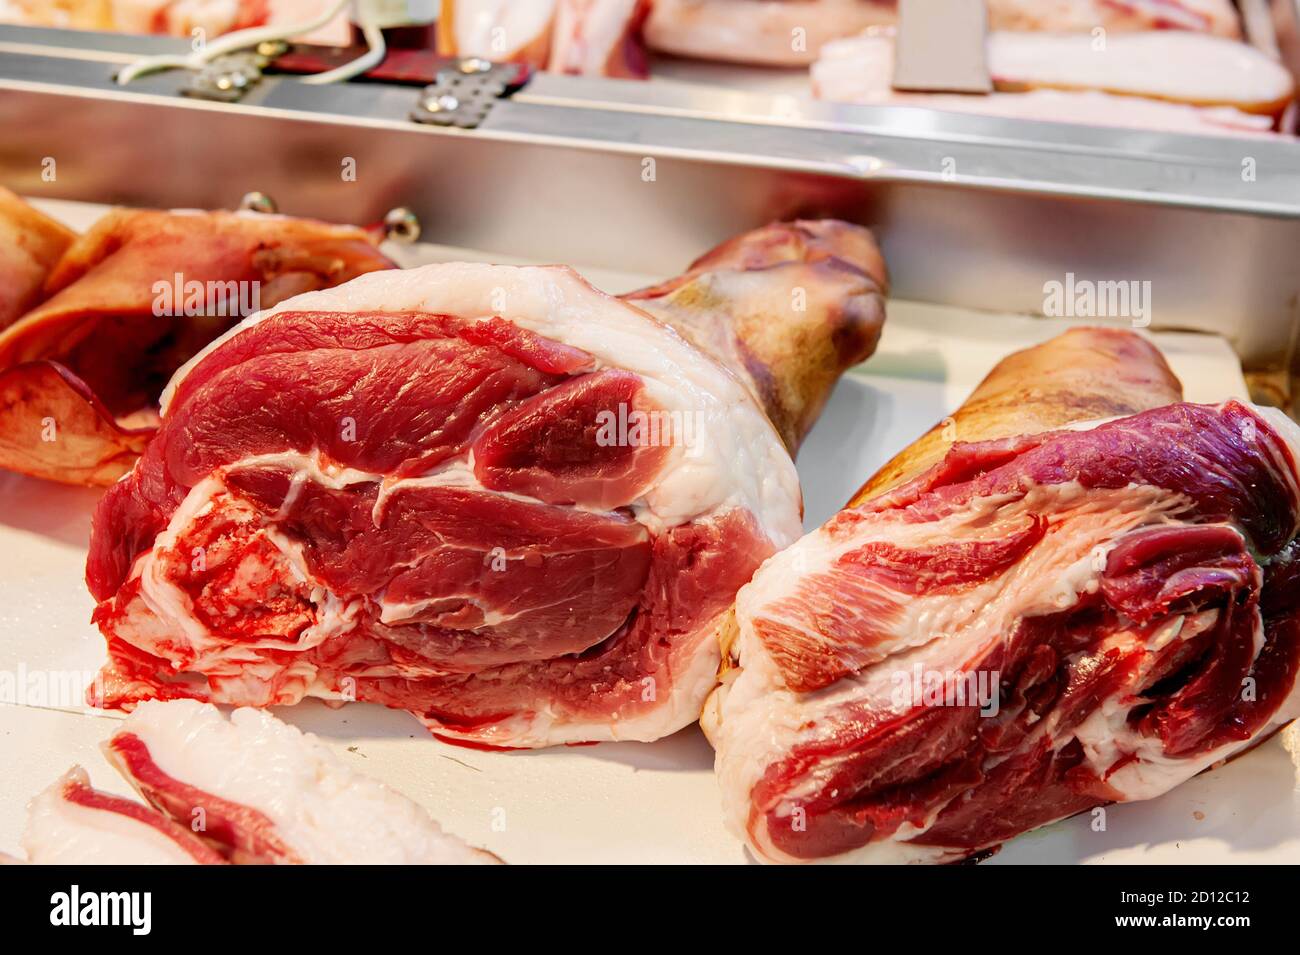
1163	64
322	809
1289	433
60	832
1167	67
746	32
754	720
738	459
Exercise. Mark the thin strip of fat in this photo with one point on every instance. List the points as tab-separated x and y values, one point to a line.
302	797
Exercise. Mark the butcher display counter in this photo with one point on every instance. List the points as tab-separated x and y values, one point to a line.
971	210
998	234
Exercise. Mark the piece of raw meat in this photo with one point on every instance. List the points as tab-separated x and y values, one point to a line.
768	32
1062	79
1168	65
492	496
71	823
249	790
1024	616
126	305
263	792
793	32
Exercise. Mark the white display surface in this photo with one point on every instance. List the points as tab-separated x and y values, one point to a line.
628	802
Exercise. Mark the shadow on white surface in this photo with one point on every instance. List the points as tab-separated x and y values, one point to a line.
684	751
354	721
60	512
866	422
1245	811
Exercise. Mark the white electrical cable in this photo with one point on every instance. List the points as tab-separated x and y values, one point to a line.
152	64
239	40
374	37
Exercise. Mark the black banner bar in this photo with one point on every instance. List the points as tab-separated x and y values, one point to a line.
341	905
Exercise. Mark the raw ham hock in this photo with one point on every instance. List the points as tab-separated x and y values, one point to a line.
1077	590
490	495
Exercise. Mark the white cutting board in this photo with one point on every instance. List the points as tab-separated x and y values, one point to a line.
629	802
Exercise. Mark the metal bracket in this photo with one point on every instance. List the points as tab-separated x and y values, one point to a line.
227	78
463	94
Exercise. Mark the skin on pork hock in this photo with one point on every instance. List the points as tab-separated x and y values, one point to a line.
104	319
